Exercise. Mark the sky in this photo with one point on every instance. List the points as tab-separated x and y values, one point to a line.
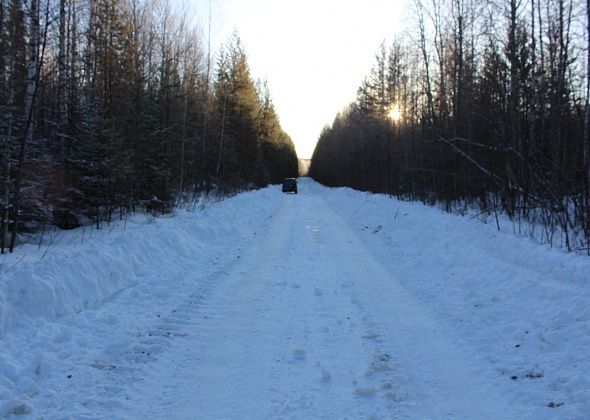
313	54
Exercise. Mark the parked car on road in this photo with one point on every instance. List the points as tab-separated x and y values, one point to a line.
290	185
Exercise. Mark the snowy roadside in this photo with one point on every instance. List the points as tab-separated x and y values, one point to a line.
511	303
49	324
91	324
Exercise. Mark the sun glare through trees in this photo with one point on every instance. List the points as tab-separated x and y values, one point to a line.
394	113
496	115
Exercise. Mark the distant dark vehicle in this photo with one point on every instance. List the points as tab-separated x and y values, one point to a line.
290	185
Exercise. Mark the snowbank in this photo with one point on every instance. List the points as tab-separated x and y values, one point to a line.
513	303
519	310
82	268
57	308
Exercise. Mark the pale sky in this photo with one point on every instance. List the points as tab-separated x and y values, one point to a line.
314	54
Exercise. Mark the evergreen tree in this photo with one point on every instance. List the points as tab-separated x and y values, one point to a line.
107	106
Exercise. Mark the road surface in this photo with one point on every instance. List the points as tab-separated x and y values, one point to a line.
308	324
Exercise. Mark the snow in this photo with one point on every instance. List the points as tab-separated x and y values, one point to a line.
327	304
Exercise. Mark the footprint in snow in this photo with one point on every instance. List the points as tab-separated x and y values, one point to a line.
299	354
20	409
379	364
365	392
372	336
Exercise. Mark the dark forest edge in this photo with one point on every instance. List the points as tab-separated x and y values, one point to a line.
114	106
481	105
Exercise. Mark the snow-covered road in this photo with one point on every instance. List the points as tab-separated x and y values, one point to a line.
326	304
310	325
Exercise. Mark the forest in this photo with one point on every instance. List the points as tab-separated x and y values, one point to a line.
477	106
113	106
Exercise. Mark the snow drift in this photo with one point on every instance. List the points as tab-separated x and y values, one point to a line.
98	326
83	268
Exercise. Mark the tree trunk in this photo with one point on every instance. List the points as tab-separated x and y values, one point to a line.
424	52
5	210
222	136
62	78
2	48
542	71
32	70
532	137
587	128
587	107
184	123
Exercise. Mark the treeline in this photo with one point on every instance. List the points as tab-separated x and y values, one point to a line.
112	106
480	104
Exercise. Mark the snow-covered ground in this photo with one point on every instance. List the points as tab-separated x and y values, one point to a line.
327	304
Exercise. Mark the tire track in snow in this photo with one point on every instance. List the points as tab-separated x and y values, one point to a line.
310	325
435	379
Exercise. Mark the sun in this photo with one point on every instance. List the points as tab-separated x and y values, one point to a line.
394	113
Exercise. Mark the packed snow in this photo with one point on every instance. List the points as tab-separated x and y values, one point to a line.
331	303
